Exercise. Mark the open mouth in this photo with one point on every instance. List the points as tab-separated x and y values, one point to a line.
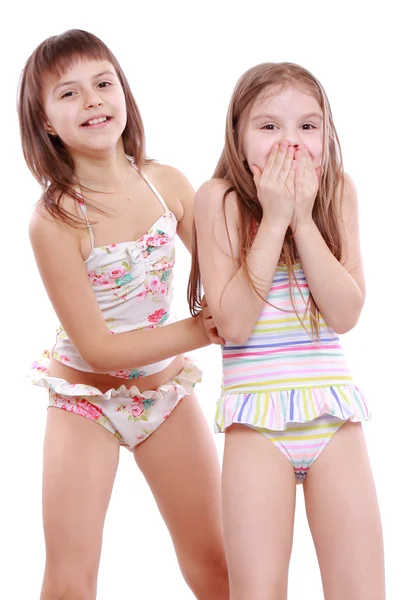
96	121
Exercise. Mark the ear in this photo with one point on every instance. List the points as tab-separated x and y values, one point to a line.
49	129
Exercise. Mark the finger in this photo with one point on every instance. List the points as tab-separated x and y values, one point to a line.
256	174
212	323
211	329
298	172
215	338
290	180
209	324
308	158
305	158
280	159
287	165
299	158
309	165
272	156
299	154
206	313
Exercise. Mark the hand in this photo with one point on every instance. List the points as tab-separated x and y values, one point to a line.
306	183
275	185
209	325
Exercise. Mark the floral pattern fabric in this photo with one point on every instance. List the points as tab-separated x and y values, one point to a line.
128	414
132	282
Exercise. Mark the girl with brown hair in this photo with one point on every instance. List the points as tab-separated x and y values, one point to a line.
103	235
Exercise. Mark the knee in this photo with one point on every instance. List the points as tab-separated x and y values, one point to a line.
68	586
206	575
261	585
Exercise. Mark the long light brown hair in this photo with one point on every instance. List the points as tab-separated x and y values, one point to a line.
268	78
46	156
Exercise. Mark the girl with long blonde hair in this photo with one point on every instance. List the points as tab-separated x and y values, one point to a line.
277	250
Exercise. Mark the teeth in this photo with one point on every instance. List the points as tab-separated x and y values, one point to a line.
95	121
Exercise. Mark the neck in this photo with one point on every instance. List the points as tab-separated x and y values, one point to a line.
103	171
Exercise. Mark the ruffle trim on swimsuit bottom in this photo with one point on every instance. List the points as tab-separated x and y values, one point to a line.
274	410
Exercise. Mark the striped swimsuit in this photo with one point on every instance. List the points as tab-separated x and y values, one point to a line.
295	391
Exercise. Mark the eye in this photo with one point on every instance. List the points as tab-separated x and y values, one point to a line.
67	95
308	127
269	127
104	84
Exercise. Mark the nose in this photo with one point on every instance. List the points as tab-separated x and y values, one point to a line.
293	140
291	135
93	100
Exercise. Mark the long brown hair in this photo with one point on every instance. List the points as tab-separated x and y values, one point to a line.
47	158
266	78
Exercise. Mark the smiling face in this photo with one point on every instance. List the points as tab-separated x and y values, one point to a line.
86	107
283	114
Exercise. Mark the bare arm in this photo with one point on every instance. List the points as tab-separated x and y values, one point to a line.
338	289
234	304
64	274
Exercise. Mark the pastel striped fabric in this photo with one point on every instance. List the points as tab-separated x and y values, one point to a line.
302	444
281	375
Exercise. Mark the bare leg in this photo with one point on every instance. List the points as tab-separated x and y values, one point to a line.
343	514
180	464
258	500
80	462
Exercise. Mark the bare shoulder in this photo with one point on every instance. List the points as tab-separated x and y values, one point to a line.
172	184
349	184
210	199
41	221
44	227
349	201
214	187
165	173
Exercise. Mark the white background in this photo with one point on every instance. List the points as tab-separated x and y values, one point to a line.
182	60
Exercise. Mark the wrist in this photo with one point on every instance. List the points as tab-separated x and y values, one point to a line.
277	226
198	332
303	227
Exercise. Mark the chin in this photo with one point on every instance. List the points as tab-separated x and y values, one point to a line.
103	149
102	143
100	148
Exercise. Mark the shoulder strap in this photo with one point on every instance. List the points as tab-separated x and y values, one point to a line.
151	186
83	208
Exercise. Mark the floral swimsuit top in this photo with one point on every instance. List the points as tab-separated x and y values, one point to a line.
132	282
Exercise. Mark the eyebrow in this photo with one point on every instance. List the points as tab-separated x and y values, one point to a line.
276	118
63	83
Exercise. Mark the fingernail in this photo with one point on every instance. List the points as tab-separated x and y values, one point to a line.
284	144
